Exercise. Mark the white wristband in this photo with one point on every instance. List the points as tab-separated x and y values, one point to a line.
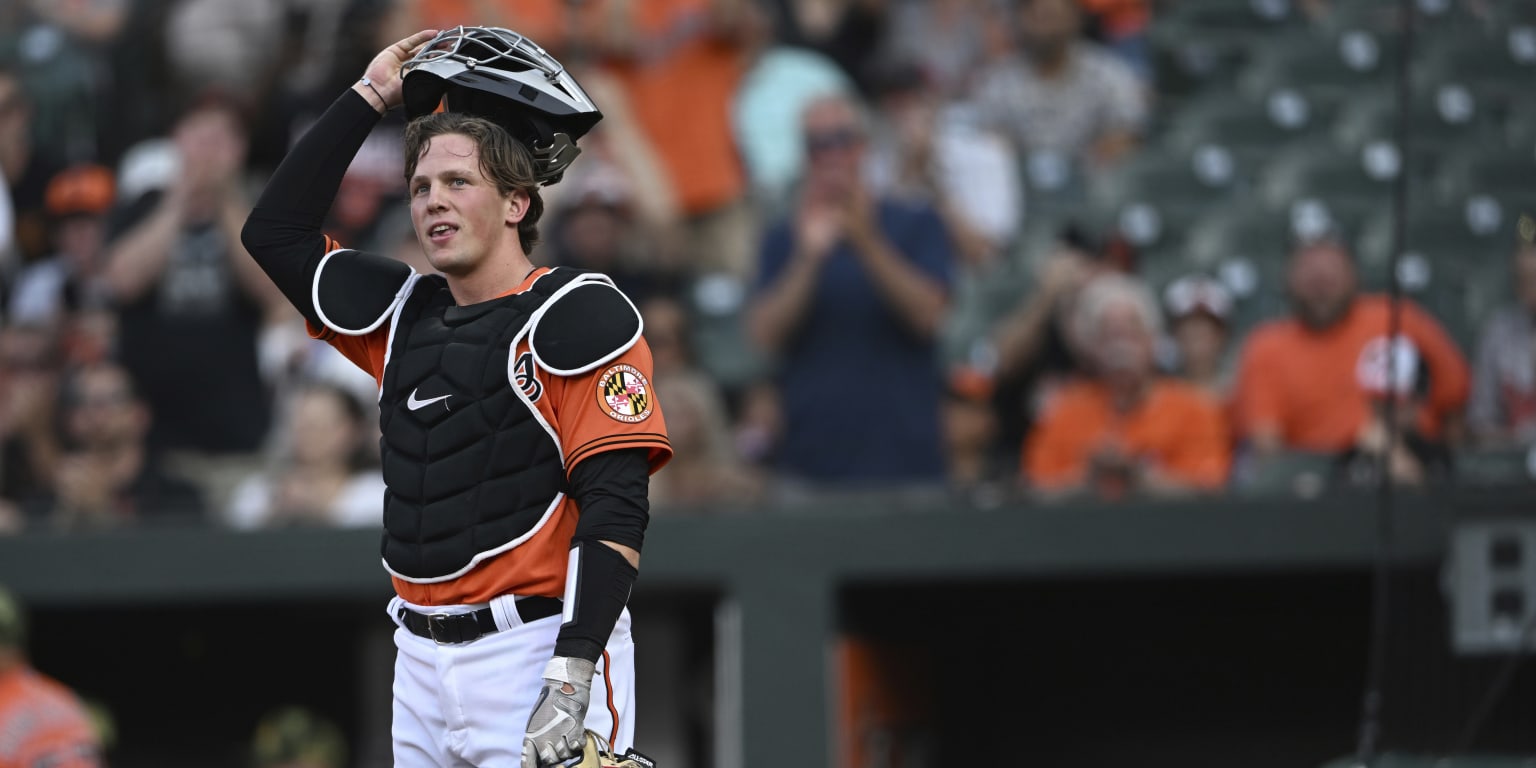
564	669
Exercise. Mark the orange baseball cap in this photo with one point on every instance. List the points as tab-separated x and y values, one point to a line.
81	189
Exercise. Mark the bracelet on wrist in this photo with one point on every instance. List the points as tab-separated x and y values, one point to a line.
369	83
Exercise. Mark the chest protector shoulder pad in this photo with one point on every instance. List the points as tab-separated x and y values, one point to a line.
355	292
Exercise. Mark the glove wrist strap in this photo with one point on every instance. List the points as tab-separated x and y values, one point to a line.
564	669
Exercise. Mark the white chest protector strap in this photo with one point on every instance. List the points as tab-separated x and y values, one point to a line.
583	325
355	292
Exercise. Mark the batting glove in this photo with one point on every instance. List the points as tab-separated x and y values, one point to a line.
555	729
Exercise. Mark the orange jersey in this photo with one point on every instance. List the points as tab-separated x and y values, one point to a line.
42	723
1177	427
1307	385
608	408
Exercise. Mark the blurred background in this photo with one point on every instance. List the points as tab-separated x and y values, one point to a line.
1064	382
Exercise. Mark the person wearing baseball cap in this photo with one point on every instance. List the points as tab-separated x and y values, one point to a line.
44	722
1199	310
77	201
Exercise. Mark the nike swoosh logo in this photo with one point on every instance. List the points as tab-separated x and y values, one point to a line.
416	405
561	718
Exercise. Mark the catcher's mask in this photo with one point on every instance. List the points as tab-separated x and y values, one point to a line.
506	78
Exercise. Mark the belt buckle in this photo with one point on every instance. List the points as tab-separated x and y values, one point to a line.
433	621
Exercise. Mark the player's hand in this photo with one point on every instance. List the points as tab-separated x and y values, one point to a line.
556	729
384	71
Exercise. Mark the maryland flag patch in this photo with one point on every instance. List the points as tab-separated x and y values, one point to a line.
624	394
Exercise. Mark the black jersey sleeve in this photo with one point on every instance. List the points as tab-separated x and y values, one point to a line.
283	231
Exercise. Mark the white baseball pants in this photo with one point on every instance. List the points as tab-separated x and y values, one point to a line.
467	705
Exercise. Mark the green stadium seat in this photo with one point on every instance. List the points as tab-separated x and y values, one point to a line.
1466	231
1504	60
1520	124
1241	230
1380	16
1153	198
1511	13
1340	62
1495	170
717	304
1446	115
1242	123
1055	185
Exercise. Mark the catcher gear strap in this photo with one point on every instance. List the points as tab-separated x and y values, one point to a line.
355	292
596	755
584	325
598	581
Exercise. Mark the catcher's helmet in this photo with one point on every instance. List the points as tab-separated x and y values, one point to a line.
503	76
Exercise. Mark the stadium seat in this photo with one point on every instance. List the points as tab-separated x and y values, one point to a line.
1520	125
1510	13
1464	231
1380	16
1341	62
1242	229
1446	115
1321	170
1503	60
718	306
1482	169
1153	198
1055	187
1242	123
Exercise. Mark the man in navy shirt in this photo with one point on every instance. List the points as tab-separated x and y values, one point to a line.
850	295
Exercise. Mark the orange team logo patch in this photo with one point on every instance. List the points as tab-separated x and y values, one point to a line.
624	394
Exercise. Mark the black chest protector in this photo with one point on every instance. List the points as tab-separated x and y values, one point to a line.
472	467
471	471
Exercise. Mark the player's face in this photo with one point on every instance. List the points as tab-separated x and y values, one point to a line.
461	219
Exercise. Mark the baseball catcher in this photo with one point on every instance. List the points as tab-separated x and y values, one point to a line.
519	426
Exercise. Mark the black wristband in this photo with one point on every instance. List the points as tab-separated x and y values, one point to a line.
597	594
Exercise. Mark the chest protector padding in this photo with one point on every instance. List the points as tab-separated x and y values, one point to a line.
470	470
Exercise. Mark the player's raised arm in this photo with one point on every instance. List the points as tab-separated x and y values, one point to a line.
283	231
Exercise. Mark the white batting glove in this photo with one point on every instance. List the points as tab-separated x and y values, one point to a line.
556	729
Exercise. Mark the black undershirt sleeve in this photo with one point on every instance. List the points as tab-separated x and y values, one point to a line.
610	492
283	231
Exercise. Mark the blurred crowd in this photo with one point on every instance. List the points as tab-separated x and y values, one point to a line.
792	191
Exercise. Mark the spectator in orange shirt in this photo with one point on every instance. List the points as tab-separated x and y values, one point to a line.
1305	382
678	63
41	721
1123	429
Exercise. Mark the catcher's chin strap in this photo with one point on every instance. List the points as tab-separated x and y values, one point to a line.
597	755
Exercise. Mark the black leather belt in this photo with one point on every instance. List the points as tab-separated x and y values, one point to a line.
468	627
